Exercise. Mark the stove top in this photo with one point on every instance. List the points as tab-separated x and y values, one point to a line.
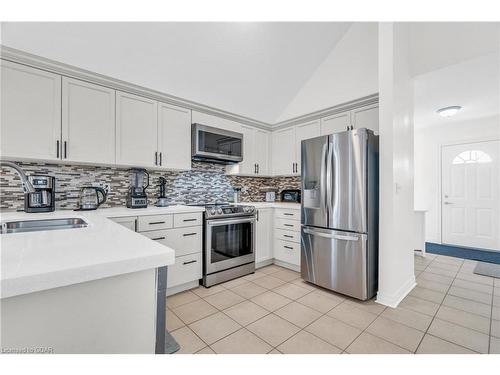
225	210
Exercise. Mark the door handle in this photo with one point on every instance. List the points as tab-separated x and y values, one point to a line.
331	236
448	203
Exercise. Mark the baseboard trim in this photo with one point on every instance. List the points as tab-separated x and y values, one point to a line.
181	288
290	266
264	263
394	299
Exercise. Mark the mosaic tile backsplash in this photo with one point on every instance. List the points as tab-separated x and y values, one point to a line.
205	182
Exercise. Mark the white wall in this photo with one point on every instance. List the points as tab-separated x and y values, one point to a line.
349	72
397	230
428	142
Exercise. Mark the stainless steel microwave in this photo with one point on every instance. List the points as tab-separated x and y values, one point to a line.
216	145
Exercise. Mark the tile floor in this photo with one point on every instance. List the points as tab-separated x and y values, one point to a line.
272	311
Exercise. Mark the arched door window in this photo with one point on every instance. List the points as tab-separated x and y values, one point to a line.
472	156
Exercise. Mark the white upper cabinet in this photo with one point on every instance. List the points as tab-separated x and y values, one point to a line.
338	122
30	112
174	137
304	131
366	117
261	151
88	122
248	165
283	151
255	153
136	130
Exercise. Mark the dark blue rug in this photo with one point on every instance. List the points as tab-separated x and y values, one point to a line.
482	255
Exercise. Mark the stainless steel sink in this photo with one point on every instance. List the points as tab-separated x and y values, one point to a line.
42	225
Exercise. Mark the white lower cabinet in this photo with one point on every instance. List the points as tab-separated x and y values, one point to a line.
286	246
264	236
187	268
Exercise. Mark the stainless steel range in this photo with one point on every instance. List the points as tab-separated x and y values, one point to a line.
229	242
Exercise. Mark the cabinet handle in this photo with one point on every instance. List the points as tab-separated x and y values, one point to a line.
65	150
189	234
156	157
287	235
287	214
158	238
257	168
189	220
288	247
160	157
57	148
288	225
257	215
156	222
191	261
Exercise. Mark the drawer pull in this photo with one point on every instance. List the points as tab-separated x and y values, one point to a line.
287	214
189	220
158	238
288	225
156	222
287	235
191	261
288	247
189	234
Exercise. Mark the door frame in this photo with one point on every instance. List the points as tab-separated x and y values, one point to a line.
440	169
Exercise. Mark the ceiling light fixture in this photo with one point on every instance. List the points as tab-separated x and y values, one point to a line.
449	111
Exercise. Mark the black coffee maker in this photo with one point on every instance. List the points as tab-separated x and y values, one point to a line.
139	181
44	197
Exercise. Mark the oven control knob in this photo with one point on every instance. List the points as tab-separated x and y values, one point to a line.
212	211
219	211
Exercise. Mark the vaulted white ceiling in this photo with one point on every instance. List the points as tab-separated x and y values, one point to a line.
251	69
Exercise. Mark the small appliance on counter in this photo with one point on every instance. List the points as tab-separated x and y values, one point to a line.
44	197
89	198
139	181
290	195
162	199
236	194
270	196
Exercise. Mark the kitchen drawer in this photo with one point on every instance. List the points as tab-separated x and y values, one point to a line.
186	268
288	214
187	220
286	251
127	222
183	240
285	224
287	235
154	222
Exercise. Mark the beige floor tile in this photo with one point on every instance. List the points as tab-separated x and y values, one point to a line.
214	327
495	345
269	282
475	278
496	291
306	343
419	305
173	321
246	312
241	342
291	291
188	341
193	311
408	317
396	333
496	301
273	329
471	294
271	269
427	294
464	319
448	260
497	282
181	299
369	306
248	290
254	276
205	350
271	301
495	328
462	336
235	282
334	331
224	299
319	301
305	284
436	278
350	314
274	351
369	344
432	285
287	275
483	288
440	271
434	345
445	266
205	292
298	314
495	313
467	305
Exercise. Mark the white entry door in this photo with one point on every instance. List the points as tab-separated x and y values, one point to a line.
470	195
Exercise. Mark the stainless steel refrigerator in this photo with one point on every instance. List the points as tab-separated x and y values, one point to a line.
339	234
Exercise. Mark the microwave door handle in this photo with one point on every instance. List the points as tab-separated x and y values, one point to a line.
331	236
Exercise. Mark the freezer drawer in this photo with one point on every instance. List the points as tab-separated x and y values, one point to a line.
336	260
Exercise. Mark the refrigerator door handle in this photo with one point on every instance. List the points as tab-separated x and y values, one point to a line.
331	236
329	182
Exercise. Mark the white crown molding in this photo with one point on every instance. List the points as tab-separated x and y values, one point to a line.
39	62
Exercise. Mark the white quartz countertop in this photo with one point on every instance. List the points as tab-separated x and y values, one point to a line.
35	261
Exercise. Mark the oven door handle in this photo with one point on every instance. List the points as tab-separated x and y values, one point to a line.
214	223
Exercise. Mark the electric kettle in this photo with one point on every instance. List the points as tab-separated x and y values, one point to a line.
89	198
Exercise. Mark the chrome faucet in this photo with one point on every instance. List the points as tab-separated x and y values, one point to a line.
27	186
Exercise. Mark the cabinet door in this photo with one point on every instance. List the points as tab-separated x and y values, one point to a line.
30	112
88	122
366	117
248	165
174	137
261	151
136	130
335	123
304	131
283	151
264	235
